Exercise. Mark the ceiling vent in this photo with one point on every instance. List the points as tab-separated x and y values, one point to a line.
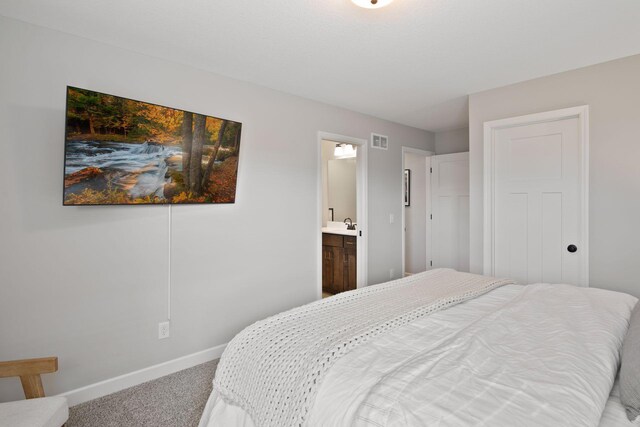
380	142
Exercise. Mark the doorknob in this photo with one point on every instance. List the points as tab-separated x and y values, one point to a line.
572	248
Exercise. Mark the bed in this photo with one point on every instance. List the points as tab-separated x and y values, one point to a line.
537	355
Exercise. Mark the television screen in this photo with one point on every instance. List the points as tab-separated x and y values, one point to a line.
122	152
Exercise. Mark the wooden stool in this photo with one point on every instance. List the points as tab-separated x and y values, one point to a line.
37	410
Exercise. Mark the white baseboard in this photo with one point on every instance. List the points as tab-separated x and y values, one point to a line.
102	388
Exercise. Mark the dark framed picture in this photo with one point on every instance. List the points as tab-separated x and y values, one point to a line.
407	187
120	151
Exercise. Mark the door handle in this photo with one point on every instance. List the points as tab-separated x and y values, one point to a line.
572	248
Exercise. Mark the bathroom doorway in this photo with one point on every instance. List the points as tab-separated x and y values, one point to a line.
342	212
416	211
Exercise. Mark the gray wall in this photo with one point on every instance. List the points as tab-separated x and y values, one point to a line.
612	90
452	141
89	284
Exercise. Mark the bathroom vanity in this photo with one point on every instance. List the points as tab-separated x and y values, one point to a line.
339	260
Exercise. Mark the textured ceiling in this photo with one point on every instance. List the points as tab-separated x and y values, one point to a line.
413	62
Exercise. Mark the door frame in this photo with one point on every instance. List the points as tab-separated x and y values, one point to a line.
362	208
426	154
579	112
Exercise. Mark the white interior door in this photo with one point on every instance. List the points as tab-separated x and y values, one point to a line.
450	209
537	207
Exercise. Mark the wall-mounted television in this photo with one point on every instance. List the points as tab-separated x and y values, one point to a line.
119	151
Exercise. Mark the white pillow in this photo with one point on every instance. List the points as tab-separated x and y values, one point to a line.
630	367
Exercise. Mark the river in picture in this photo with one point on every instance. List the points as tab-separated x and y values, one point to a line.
139	169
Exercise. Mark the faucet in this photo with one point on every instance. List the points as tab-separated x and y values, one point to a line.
351	225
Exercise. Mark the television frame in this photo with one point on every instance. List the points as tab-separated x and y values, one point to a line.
158	203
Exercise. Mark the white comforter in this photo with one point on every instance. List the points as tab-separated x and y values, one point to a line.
541	355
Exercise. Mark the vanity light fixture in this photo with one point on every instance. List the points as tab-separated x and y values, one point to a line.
372	4
344	151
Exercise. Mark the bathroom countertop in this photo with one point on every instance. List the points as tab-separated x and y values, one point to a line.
342	231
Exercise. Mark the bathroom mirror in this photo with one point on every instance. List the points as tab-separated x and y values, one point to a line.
341	183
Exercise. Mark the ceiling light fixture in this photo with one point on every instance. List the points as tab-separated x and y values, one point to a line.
372	4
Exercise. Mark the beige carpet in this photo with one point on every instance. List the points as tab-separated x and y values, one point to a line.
176	400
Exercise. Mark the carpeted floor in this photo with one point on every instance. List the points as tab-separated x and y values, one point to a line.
176	400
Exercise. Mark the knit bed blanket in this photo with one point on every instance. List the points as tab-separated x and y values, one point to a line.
273	368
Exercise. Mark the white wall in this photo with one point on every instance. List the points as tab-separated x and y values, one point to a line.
452	141
416	215
612	90
89	284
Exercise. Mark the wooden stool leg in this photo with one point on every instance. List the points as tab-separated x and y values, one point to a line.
32	385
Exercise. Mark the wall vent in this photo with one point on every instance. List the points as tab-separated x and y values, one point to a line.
380	142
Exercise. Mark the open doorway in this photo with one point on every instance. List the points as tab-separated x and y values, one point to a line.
435	220
416	211
342	213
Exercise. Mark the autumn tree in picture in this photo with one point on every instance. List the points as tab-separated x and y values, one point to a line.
121	151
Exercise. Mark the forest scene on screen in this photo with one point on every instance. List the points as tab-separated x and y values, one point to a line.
120	151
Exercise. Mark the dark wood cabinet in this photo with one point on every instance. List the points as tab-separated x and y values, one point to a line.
339	263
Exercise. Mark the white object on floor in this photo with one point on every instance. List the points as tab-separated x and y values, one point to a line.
516	353
41	412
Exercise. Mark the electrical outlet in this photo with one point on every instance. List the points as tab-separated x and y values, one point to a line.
163	330
392	218
391	273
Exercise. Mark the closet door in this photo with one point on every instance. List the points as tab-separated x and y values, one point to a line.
537	178
450	210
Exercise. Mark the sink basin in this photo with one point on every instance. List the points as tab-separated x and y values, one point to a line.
343	231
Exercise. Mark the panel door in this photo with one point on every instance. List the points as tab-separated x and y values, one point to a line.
450	210
537	206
